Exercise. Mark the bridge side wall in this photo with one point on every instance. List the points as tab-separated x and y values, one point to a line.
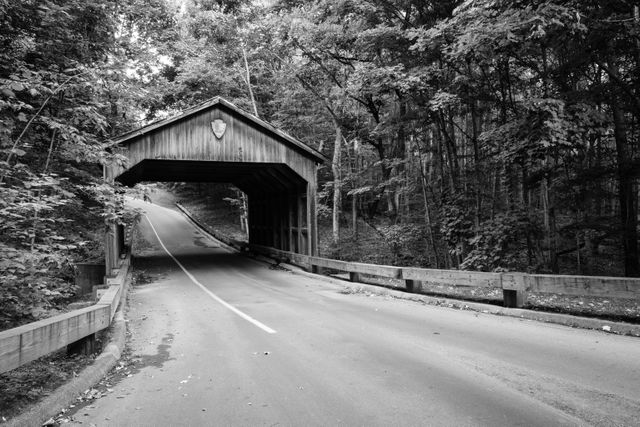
286	221
193	139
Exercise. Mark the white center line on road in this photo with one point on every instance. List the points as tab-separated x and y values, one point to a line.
207	291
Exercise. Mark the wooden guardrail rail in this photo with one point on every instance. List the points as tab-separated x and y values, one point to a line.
515	286
29	342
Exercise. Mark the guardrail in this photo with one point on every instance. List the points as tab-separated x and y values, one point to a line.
29	342
515	286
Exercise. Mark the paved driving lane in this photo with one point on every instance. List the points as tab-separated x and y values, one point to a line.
220	339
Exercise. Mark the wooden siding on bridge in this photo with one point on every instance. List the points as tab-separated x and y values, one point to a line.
190	137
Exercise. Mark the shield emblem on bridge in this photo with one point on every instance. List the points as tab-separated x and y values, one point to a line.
218	126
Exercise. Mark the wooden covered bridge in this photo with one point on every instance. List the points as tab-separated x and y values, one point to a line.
219	142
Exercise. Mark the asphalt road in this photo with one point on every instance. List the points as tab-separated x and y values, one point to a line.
220	339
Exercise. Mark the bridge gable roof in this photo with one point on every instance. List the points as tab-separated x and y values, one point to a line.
219	102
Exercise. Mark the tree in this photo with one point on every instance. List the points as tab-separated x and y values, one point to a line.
60	64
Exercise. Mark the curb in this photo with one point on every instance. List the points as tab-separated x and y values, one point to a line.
605	326
66	394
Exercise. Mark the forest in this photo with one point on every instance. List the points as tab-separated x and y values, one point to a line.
487	135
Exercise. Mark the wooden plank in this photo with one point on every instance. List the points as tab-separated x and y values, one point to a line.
286	256
299	259
248	120
514	281
291	212
26	343
111	257
614	287
313	221
87	275
453	277
199	146
192	139
111	298
358	267
119	277
517	285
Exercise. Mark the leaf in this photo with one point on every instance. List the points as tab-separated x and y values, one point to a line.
361	190
8	93
17	86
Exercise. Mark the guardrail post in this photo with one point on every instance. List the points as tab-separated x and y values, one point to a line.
87	275
120	240
413	286
85	346
317	269
354	277
514	289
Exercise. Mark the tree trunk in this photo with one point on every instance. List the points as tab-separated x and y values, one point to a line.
476	165
247	80
427	215
244	207
550	226
626	194
337	182
354	198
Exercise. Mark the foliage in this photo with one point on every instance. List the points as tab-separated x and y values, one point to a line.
456	226
501	244
458	116
64	71
402	240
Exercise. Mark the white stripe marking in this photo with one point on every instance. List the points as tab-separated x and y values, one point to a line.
207	291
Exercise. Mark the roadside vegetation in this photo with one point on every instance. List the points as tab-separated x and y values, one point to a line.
64	90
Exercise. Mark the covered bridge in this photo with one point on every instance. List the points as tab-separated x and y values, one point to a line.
219	142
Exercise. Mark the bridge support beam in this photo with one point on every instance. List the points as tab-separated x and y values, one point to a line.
114	246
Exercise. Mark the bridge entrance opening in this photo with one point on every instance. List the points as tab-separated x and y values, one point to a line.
217	142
